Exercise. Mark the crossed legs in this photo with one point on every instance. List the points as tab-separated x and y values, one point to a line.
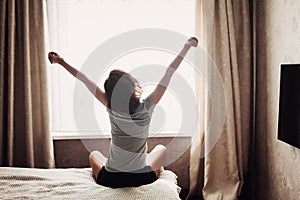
154	159
97	161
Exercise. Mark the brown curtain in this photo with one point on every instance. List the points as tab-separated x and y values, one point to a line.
25	139
225	31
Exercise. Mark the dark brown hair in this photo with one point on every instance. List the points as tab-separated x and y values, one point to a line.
125	91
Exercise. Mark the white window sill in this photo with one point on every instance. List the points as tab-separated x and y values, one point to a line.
105	135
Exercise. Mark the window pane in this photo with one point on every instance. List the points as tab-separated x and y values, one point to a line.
77	27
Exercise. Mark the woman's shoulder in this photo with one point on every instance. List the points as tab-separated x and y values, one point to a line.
148	103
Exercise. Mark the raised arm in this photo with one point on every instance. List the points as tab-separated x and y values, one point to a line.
164	82
94	89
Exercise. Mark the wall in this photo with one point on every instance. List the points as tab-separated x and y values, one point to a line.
74	153
278	41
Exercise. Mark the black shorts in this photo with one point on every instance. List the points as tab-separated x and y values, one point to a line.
126	179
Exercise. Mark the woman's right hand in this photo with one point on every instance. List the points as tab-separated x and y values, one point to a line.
54	58
192	42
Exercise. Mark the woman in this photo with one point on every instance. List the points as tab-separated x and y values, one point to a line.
128	163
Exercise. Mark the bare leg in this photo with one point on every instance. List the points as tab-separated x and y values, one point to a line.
156	158
97	161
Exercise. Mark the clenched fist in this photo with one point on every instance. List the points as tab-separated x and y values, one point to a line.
54	58
193	42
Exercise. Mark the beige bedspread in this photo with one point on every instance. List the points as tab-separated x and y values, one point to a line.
61	184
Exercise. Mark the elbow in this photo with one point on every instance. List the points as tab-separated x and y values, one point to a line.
169	73
80	76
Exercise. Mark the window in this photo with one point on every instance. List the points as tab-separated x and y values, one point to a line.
75	39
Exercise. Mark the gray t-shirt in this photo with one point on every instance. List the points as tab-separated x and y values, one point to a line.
129	135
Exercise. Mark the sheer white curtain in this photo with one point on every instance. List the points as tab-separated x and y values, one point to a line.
77	27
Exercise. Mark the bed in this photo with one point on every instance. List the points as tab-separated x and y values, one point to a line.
74	183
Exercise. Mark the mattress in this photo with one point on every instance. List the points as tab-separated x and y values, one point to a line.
74	183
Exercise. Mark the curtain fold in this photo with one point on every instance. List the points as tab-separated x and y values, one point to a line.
226	36
25	139
196	162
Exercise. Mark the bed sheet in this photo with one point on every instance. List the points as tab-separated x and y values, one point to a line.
74	183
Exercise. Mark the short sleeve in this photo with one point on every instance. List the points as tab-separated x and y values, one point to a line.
148	103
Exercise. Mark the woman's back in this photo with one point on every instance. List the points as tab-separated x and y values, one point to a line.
129	138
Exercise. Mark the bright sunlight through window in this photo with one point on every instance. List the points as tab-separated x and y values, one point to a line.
77	27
